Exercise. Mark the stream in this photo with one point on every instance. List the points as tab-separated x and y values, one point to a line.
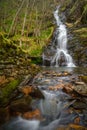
58	106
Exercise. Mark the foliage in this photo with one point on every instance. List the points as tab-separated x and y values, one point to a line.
38	27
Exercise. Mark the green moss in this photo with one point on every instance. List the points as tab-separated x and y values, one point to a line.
37	32
7	91
16	38
81	30
84	78
81	33
34	45
36	60
36	51
46	34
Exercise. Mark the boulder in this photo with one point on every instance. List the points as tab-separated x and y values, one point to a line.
34	92
4	115
20	106
35	114
81	89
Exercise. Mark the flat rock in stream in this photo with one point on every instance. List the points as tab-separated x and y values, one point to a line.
79	105
79	83
68	88
81	89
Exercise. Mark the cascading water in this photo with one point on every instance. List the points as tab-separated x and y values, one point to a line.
54	107
60	56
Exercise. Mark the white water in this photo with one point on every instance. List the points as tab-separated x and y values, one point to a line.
58	54
19	123
53	105
52	109
61	50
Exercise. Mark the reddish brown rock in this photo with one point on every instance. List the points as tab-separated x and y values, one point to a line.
32	91
68	88
27	90
57	87
36	114
77	120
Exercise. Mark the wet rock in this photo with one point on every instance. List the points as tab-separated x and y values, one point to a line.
68	88
79	105
67	74
37	93
4	115
59	74
34	92
20	106
26	90
77	120
57	87
35	114
79	83
81	89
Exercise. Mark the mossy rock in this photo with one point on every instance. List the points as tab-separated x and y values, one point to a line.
21	105
7	91
84	78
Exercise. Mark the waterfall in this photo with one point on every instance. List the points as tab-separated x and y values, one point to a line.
61	57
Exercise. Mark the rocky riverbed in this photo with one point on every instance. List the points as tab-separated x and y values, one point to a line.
55	96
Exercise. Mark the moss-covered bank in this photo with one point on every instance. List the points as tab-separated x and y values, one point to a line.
19	60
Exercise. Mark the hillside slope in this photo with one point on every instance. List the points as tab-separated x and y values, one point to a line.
76	20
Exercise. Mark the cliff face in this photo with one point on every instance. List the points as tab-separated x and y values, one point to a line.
76	21
76	11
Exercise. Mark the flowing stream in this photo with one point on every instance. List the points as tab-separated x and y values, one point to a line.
60	56
55	107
